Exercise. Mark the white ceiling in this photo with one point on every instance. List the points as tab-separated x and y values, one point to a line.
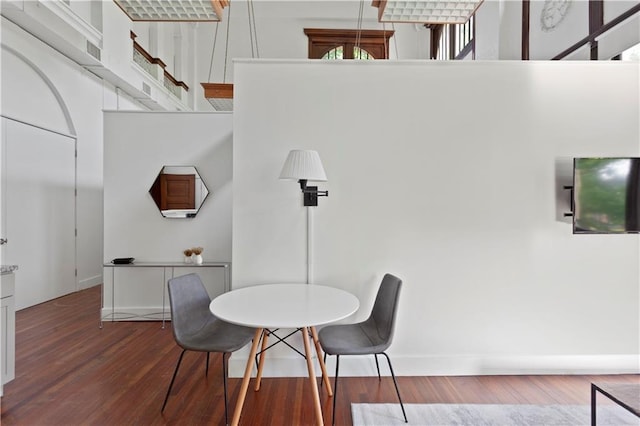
170	10
409	11
431	11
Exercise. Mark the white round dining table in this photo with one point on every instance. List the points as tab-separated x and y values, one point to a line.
269	306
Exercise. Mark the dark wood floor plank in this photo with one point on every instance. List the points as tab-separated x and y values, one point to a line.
71	372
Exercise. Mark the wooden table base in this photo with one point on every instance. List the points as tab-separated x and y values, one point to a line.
312	375
247	377
325	376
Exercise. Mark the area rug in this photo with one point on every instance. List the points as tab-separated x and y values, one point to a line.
489	415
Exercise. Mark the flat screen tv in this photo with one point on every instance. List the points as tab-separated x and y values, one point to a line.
606	195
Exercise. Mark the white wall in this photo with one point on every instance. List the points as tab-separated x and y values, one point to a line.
499	30
136	147
280	34
622	36
117	57
85	96
489	29
545	44
457	197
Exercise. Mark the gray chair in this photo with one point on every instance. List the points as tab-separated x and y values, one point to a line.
195	328
370	337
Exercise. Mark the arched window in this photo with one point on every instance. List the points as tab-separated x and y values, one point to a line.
338	53
348	44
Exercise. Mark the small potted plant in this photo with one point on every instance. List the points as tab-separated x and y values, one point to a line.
188	256
197	255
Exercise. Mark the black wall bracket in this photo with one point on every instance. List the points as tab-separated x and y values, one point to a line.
570	188
311	195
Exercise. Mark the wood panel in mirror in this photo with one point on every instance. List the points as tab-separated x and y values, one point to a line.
178	191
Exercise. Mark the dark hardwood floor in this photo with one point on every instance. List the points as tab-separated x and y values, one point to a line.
70	372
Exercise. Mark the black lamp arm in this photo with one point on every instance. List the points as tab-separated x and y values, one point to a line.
305	190
316	192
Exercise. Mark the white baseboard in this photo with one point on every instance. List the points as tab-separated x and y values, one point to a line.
89	282
517	364
284	362
295	366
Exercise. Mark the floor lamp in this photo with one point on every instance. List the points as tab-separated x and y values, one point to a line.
305	166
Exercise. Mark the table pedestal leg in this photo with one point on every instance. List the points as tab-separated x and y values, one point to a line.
325	376
246	378
312	376
261	361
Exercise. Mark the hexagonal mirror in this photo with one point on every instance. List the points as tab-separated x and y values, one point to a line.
179	191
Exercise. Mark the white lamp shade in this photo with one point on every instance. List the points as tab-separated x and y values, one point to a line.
303	164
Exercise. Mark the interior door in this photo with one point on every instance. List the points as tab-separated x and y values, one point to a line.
38	211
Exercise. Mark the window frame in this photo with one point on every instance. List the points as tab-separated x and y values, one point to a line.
453	41
322	40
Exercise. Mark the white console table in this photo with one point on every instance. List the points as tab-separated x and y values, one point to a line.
168	269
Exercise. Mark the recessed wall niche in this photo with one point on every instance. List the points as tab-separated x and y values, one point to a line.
179	192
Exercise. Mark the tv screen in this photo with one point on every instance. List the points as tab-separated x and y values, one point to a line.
606	195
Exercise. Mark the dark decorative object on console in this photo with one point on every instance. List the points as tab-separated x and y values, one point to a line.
122	260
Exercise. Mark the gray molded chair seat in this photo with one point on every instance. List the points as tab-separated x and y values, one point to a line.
370	337
353	339
195	328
